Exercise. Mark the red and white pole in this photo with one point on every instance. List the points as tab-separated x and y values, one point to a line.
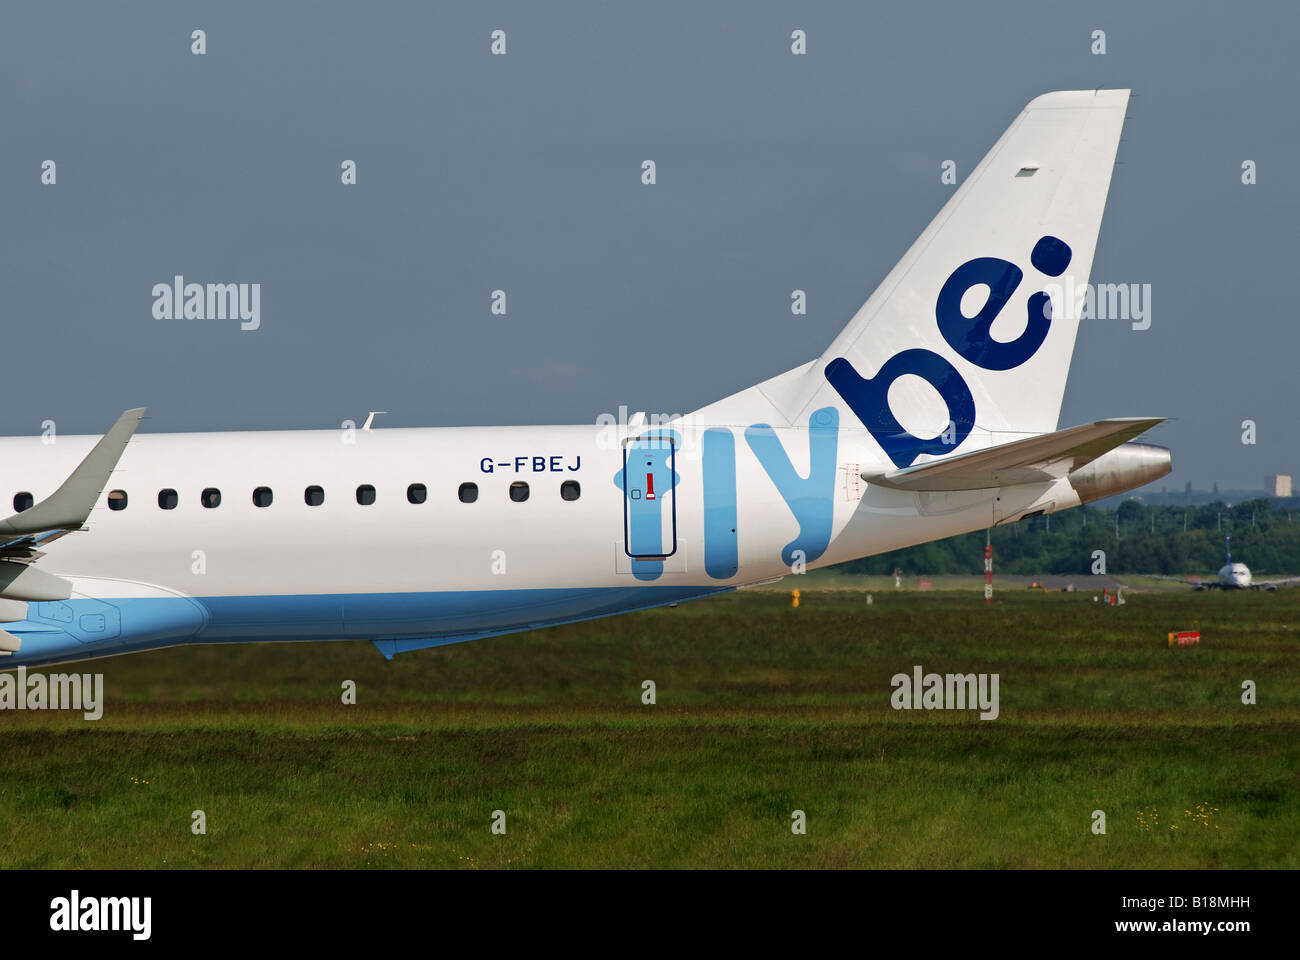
988	567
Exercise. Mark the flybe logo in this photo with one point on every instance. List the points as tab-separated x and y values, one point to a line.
649	477
868	397
649	481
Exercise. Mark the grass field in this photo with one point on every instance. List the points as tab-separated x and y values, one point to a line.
762	710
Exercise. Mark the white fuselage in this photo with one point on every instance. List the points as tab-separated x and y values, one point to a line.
1235	575
749	504
963	349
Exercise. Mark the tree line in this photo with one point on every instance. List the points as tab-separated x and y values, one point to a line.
1135	537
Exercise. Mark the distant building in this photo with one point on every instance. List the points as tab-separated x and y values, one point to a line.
1278	484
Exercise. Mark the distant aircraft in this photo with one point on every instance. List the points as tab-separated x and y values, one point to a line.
1236	576
933	413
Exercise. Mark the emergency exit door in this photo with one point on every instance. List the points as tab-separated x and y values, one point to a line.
649	497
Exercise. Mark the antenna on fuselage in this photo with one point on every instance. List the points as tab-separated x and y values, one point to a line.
370	418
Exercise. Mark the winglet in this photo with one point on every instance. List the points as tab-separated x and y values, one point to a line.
70	505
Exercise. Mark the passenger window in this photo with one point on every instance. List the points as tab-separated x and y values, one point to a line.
23	501
262	497
211	497
167	499
468	492
314	496
117	500
365	494
417	493
569	490
518	491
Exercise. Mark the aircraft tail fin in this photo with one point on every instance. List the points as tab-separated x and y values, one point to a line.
967	341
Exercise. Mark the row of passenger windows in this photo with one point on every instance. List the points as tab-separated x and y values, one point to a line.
314	496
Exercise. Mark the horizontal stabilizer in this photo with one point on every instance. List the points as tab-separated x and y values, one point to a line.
1040	459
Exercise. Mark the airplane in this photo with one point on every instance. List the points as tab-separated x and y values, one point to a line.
932	413
1237	576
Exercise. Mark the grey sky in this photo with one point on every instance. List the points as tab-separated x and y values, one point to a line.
522	172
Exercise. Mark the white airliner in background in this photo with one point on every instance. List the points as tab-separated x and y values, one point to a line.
1236	576
933	413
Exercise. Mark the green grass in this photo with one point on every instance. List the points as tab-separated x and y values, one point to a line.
762	709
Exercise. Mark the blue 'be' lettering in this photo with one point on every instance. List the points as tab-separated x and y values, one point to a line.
868	398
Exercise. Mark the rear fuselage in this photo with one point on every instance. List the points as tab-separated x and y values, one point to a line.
468	532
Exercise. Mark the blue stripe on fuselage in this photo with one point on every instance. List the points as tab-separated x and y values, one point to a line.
442	617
